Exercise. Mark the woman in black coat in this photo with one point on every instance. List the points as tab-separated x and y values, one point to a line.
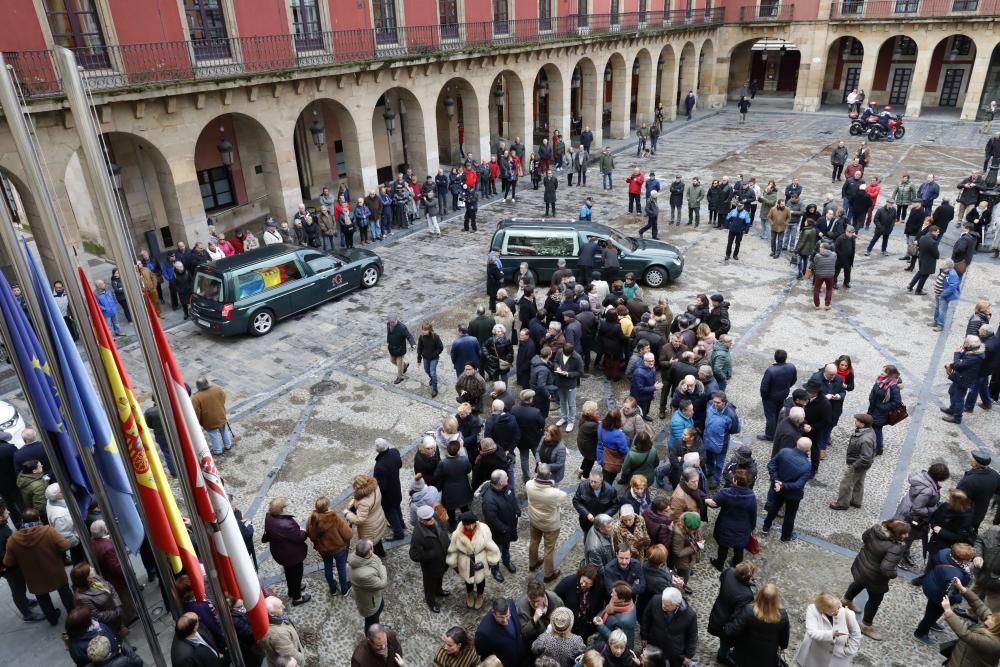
883	398
951	522
612	341
759	630
452	476
494	279
583	594
736	589
490	458
713	198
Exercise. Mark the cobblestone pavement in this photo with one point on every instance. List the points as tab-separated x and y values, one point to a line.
308	401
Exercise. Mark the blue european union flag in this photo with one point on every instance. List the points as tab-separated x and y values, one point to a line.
40	387
87	415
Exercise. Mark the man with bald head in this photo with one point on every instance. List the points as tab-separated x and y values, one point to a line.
379	647
189	648
789	471
835	392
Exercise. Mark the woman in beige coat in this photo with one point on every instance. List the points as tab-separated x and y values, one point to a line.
365	511
472	553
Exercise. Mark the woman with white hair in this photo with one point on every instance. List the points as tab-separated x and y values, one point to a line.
558	641
427	457
616	652
833	636
498	355
60	519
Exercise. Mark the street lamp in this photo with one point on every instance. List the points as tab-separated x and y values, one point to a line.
115	172
389	116
607	75
318	133
449	106
225	150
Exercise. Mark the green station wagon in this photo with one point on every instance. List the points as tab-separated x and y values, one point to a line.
542	243
251	291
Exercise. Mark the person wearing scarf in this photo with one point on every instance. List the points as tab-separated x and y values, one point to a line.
883	398
618	614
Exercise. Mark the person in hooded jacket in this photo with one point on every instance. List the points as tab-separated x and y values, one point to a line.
737	518
736	589
874	567
919	503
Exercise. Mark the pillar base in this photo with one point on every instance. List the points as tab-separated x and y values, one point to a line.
619	129
804	103
713	101
913	109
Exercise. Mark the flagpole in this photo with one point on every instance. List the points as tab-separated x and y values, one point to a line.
65	264
16	124
110	217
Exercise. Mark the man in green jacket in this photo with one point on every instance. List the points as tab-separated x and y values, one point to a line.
904	195
643	134
607	164
694	195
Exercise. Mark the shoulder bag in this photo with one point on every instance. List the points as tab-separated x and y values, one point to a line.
897	415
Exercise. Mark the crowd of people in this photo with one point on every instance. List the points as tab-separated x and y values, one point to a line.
642	506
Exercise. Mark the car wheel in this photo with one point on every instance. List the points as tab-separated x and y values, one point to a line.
369	278
656	276
262	322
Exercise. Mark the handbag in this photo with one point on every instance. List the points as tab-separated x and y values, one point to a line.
612	461
947	648
897	415
753	546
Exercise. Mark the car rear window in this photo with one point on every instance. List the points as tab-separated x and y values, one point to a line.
261	279
540	244
208	286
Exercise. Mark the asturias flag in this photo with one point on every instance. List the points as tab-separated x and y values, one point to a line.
41	388
236	571
89	419
166	527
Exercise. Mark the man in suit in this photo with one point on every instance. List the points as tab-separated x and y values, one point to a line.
189	648
499	634
778	380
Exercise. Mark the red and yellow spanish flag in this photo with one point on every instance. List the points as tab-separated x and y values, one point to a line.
167	530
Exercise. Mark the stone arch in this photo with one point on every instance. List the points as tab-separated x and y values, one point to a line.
951	66
771	62
326	165
667	92
641	88
990	79
509	122
548	108
615	107
405	147
585	98
20	201
457	118
253	178
146	190
895	65
687	70
844	62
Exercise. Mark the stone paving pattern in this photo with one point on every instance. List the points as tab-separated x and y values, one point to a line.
308	401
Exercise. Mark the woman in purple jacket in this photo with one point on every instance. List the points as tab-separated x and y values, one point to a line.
288	546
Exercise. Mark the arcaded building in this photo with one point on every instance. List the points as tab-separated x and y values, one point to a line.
233	109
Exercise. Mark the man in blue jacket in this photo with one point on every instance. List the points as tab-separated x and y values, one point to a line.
778	380
624	568
789	471
945	566
947	288
963	373
721	422
738	221
464	350
645	384
499	634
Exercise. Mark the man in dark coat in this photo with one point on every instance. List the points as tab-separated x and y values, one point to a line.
499	634
669	624
396	338
502	427
587	260
494	280
834	390
819	416
789	471
530	424
189	648
980	483
8	477
778	380
551	184
594	496
844	246
465	349
481	326
387	466
501	511
860	455
943	215
429	547
790	428
624	568
927	257
588	324
963	372
33	450
884	220
526	349
379	648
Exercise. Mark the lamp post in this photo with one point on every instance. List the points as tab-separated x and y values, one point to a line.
225	149
389	116
318	133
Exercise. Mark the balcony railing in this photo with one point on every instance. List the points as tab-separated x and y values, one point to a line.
848	10
767	11
139	65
